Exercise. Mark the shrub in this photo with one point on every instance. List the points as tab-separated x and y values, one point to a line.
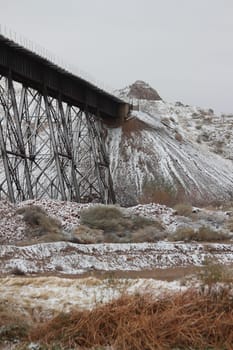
178	137
186	234
51	237
213	273
148	234
207	234
158	191
86	235
13	331
139	222
108	218
203	234
13	323
17	271
38	221
183	209
108	224
118	237
190	320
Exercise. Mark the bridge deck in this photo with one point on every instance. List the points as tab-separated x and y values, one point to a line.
39	73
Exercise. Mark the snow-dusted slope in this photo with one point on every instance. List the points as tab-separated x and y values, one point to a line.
179	145
68	258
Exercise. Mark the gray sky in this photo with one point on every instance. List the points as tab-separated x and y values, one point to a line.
183	48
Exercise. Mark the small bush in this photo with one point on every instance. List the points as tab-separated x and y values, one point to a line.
148	234
86	235
183	209
185	234
139	222
203	234
108	224
111	219
17	271
178	137
106	218
190	320
51	237
13	323
213	273
38	221
13	332
158	191
207	234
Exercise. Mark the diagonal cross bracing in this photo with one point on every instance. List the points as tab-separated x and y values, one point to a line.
50	148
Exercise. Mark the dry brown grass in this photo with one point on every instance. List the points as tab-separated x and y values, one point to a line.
212	273
203	234
103	223
86	235
183	209
162	192
178	137
39	222
104	217
148	234
186	320
13	323
186	234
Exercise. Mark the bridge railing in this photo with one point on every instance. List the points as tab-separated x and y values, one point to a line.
56	60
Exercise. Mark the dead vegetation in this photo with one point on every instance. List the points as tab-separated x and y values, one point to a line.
106	218
203	234
108	224
194	319
133	126
183	209
178	137
213	273
14	325
161	191
39	223
158	191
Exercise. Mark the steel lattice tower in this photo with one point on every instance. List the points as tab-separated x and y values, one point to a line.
50	148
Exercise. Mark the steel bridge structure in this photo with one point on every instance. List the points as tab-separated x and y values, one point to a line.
52	134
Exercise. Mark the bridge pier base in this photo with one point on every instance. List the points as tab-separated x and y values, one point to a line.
50	149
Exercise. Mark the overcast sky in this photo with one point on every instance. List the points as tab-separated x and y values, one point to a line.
183	48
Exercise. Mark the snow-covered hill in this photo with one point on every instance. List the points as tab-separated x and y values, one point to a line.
182	147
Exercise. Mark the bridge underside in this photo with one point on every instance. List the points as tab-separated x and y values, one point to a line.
50	148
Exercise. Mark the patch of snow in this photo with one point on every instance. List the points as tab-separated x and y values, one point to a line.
54	294
69	258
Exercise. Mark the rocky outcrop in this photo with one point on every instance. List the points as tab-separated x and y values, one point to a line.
143	91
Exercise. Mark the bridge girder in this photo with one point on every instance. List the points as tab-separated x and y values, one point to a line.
50	148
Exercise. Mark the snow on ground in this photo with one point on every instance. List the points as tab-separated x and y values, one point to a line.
53	294
154	211
186	146
70	258
67	212
12	227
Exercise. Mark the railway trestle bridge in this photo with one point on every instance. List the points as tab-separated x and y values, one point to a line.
52	140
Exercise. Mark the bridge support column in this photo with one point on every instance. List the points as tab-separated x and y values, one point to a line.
50	148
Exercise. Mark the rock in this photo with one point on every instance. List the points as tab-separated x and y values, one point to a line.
143	91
